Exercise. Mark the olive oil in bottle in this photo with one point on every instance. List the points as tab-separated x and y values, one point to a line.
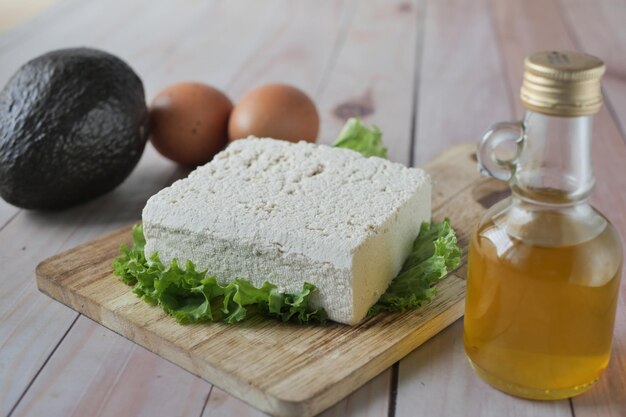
544	266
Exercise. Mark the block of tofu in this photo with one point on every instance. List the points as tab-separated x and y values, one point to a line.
270	210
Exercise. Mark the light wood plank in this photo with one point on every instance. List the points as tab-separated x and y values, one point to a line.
373	76
461	88
14	12
222	404
31	324
104	375
173	71
544	28
608	397
296	48
437	380
371	400
40	328
199	41
598	28
7	212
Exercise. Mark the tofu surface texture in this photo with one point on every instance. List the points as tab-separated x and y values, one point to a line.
270	210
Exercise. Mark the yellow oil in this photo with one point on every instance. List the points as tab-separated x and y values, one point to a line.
539	319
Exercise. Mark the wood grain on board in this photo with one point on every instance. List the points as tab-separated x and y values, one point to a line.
282	369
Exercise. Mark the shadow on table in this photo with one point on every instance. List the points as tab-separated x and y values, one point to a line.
117	208
608	396
438	376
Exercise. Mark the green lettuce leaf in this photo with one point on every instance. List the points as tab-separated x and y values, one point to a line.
435	254
193	296
358	137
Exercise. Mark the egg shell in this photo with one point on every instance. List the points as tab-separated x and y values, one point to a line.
189	122
277	111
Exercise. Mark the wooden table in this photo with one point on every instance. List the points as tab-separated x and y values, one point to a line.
429	73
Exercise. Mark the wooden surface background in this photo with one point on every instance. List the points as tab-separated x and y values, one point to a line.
430	73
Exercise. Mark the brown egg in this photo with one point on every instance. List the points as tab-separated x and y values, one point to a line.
189	122
277	111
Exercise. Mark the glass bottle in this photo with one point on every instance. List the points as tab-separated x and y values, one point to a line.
544	266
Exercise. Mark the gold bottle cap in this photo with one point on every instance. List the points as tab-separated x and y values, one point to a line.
562	83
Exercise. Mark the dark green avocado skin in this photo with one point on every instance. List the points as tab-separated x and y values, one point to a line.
73	125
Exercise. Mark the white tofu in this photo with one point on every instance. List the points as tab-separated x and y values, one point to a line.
270	210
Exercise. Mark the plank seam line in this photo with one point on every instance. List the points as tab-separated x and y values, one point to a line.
571	407
10	220
500	49
206	401
342	36
393	389
569	27
420	34
42	366
108	392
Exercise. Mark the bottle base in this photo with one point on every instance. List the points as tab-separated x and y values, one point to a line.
530	393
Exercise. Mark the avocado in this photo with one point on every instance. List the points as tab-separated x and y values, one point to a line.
73	125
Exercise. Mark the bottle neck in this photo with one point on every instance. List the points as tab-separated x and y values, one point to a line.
554	166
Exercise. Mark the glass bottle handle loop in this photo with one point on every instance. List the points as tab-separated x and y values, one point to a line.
499	150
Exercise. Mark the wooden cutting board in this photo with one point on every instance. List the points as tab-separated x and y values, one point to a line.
282	369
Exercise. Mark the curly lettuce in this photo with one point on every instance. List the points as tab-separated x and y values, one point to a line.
435	254
192	296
